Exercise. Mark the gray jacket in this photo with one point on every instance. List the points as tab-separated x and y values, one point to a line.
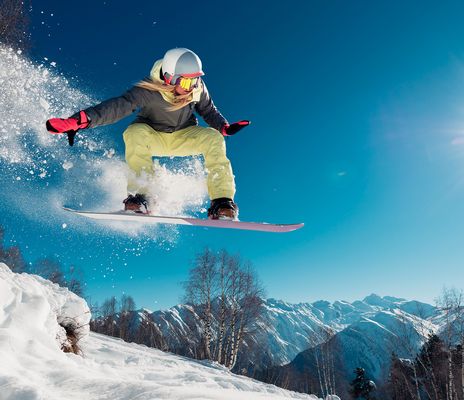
153	111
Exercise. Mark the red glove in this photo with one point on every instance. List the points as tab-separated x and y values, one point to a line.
232	129
72	124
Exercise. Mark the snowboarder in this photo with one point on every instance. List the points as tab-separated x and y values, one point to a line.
166	126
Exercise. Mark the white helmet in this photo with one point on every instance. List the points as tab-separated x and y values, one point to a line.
180	62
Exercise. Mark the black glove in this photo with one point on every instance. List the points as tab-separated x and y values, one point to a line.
232	129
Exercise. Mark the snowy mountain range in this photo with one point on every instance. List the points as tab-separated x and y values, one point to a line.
36	318
359	334
292	341
366	330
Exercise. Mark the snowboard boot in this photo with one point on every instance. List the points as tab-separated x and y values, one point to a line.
223	208
136	203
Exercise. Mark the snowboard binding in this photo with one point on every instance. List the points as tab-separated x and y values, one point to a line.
223	208
136	203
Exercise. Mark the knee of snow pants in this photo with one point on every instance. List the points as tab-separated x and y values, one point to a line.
138	140
143	142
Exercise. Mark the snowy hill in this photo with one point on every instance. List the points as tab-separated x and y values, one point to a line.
33	316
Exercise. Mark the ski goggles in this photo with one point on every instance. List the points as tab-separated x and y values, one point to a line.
185	82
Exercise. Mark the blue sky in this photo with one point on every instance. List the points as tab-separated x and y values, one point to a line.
357	130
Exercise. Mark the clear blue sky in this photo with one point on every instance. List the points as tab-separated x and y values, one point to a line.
357	130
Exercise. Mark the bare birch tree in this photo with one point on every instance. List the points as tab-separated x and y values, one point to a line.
450	302
126	320
228	297
75	280
224	280
108	311
200	289
250	306
233	271
322	343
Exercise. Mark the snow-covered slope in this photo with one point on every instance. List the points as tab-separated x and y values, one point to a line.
33	366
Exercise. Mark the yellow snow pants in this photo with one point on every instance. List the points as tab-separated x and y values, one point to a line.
143	142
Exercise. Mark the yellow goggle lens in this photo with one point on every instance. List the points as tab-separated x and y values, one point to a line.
187	83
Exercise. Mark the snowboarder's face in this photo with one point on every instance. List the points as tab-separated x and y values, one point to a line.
181	91
185	84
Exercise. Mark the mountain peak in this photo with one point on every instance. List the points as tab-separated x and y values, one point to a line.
385	302
375	300
394	299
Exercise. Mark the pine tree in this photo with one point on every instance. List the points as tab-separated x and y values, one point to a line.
361	386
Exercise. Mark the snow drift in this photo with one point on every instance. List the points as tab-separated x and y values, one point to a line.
34	317
33	312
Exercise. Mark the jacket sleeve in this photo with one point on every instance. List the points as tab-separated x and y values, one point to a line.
208	111
112	110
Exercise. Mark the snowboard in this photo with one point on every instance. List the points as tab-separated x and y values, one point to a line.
208	223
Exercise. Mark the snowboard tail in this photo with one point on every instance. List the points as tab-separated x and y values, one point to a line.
209	223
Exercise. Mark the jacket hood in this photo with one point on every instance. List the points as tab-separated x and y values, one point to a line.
155	71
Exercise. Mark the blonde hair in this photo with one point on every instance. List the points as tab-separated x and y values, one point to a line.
177	100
